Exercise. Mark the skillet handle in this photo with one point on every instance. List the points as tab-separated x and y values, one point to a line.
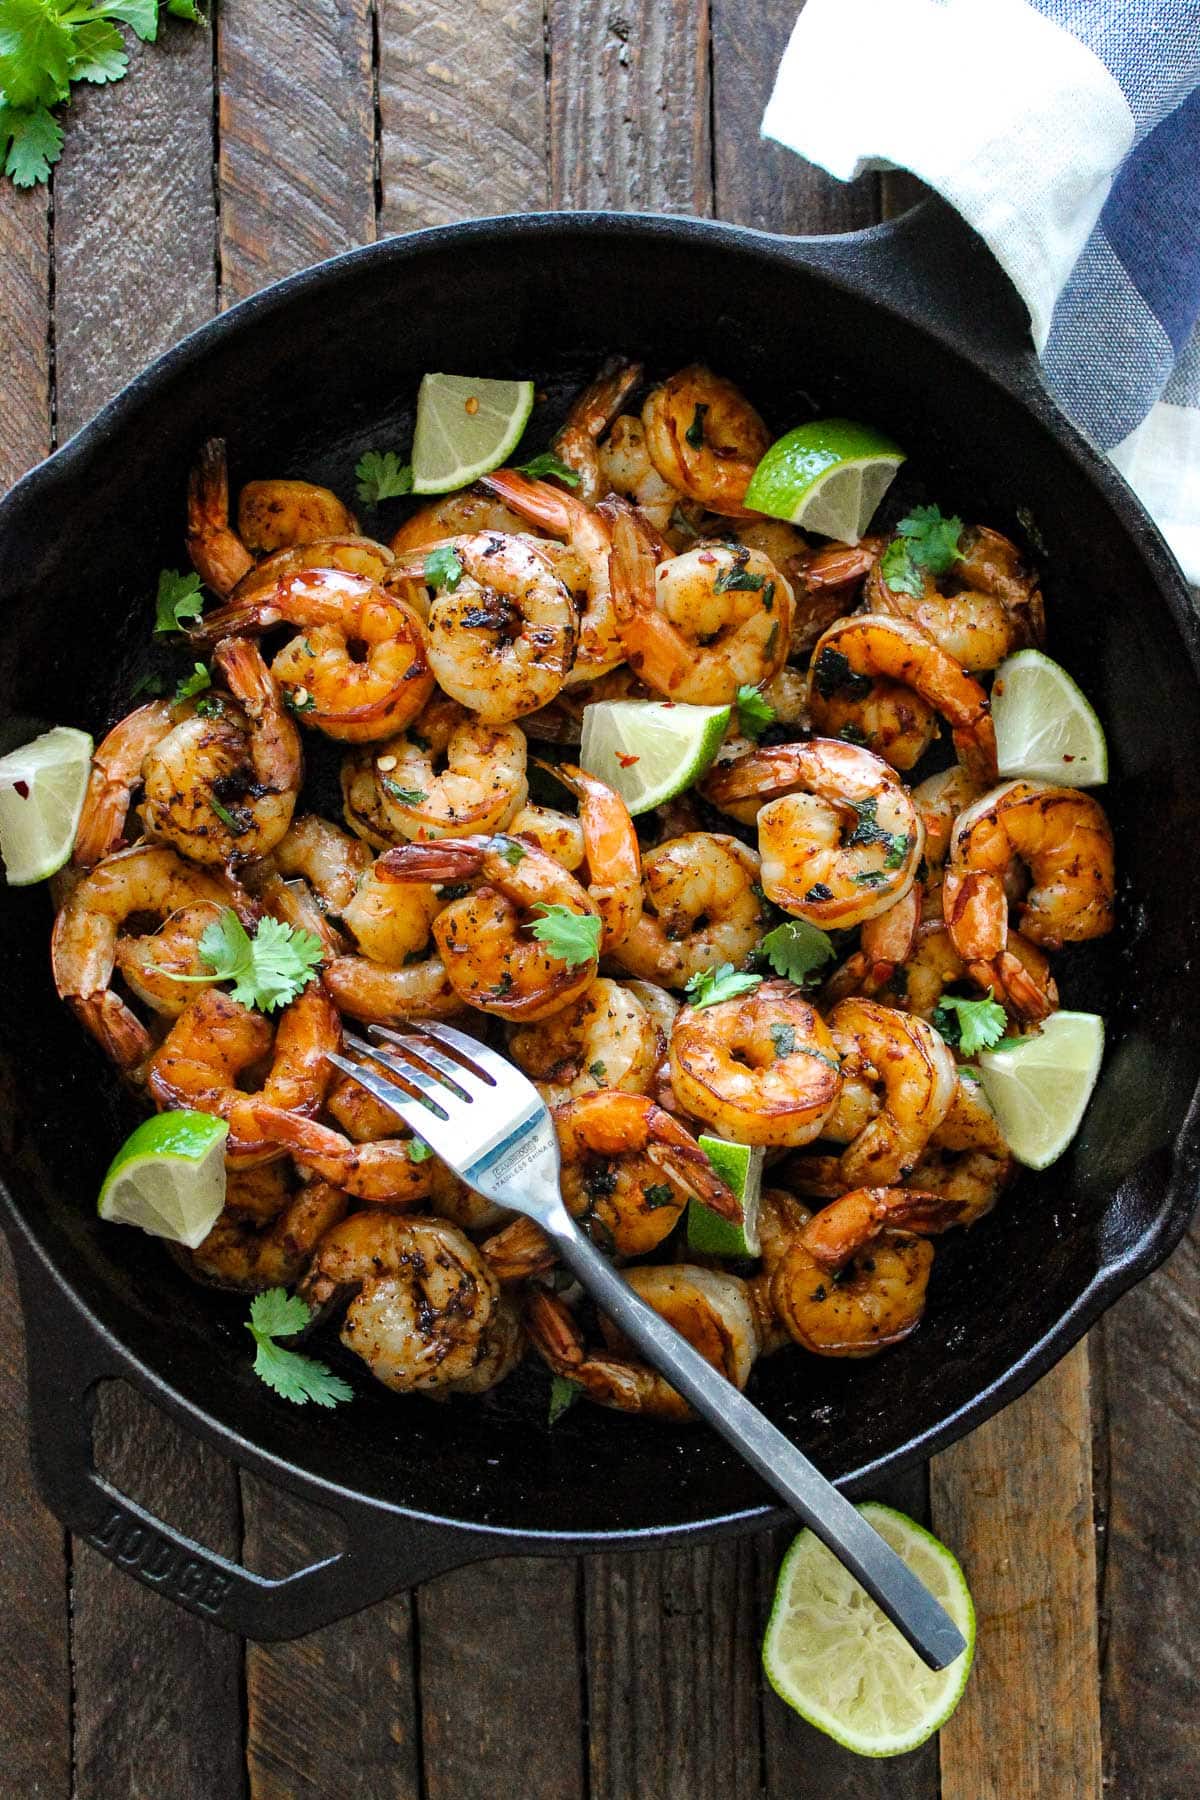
383	1553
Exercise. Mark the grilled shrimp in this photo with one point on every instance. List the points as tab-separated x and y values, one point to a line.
781	1219
215	1041
448	774
218	554
759	1069
503	640
988	605
358	668
425	1303
331	862
627	470
885	945
150	965
116	772
591	415
854	1280
967	1159
451	516
877	646
607	1038
561	722
884	716
705	438
842	840
611	860
491	962
703	907
909	1062
278	515
698	626
711	1310
146	881
248	1252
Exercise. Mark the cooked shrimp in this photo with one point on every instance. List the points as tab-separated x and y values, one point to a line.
700	625
221	786
455	515
591	414
842	841
987	606
450	773
883	716
760	1069
146	881
350	554
489	960
425	1301
854	1280
909	1061
246	1252
705	438
885	944
358	668
218	554
381	1171
215	1041
151	965
967	1158
278	515
711	1310
561	722
607	1038
331	861
116	772
627	469
611	861
586	533
1064	840
781	1219
939	800
502	642
877	646
703	907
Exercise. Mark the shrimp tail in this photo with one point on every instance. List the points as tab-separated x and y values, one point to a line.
450	859
218	555
519	1250
675	1151
536	501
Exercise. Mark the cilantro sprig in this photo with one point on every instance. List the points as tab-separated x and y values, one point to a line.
563	1395
547	465
177	600
193	684
45	47
754	711
970	1025
297	1378
926	544
382	476
796	950
709	987
268	970
572	937
443	569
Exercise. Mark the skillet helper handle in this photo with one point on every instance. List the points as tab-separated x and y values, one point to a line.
908	1604
382	1554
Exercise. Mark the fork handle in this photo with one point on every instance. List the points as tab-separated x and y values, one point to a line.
908	1604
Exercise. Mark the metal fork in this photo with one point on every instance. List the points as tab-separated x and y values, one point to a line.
490	1124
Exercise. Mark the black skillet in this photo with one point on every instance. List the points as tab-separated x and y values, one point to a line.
910	326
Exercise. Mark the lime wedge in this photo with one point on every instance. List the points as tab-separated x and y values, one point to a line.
465	426
650	750
168	1177
42	787
1046	728
740	1168
1040	1088
831	1654
827	476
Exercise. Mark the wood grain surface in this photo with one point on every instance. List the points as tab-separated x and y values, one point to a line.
229	158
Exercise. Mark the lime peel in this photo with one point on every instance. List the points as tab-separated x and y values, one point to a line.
466	425
740	1167
827	476
650	750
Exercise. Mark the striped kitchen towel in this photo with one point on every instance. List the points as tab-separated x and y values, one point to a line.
1067	133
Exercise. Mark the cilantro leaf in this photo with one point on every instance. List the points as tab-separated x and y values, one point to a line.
140	15
659	1193
443	569
754	711
711	986
36	47
268	970
382	476
899	571
694	434
151	683
784	1039
296	1378
99	53
238	826
597	1071
563	1395
548	464
572	937
193	684
932	539
406	796
34	140
186	9
970	1025
178	598
796	950
418	1150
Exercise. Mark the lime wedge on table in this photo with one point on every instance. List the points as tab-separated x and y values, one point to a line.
650	750
42	786
1046	728
740	1168
168	1177
831	1654
1039	1089
827	476
465	426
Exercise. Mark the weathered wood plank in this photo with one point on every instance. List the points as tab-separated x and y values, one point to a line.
25	331
1014	1501
462	110
759	182
296	157
134	221
501	1706
1147	1354
672	1657
797	1758
629	103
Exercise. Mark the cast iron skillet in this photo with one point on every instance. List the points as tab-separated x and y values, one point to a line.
910	326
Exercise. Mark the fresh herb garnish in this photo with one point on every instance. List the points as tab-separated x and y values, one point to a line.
547	464
833	675
239	827
213	707
784	1039
739	579
513	853
443	569
193	684
597	1071
297	1378
927	543
754	711
572	937
868	831
563	1395
268	970
298	700
709	987
178	598
382	476
694	434
796	950
406	796
418	1150
151	684
970	1025
658	1194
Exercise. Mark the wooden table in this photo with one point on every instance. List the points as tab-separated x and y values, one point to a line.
292	130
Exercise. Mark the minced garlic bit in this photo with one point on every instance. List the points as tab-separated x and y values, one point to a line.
385	764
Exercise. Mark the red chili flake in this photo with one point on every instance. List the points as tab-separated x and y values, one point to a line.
1068	759
997	687
627	762
22	788
706	556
